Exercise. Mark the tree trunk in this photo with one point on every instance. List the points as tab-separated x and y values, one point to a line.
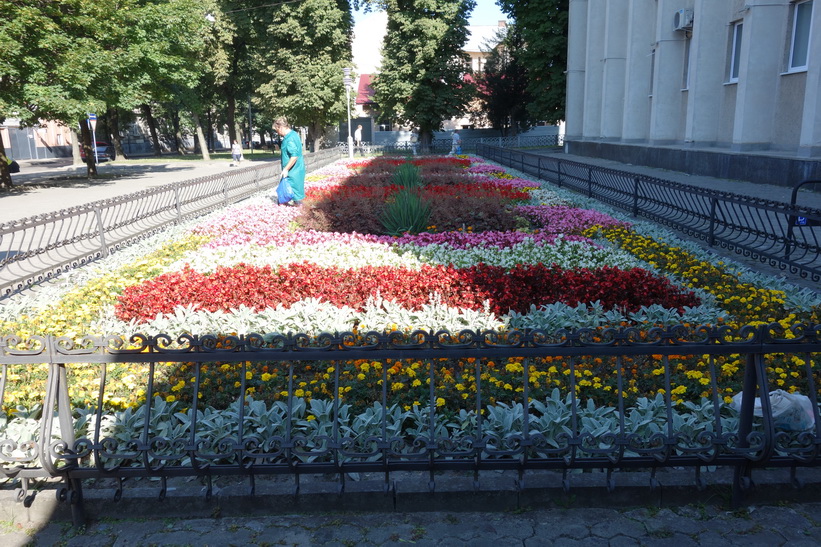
152	126
75	146
5	174
88	148
231	120
425	140
114	126
205	155
178	141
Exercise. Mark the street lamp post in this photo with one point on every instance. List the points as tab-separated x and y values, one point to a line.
348	84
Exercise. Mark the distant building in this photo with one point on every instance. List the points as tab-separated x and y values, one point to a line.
722	88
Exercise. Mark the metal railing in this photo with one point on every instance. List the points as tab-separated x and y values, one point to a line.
767	231
443	146
449	427
38	248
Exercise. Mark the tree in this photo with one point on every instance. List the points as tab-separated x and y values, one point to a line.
422	80
543	27
306	46
502	86
63	59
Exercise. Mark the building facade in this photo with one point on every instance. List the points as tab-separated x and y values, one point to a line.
726	88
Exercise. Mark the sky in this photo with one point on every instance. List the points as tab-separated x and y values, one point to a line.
369	29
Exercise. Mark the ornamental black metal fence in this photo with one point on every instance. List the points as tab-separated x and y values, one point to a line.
38	248
785	235
443	146
615	399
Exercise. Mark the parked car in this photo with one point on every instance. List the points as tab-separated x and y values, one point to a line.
105	152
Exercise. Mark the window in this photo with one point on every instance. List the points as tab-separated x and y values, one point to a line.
735	54
800	43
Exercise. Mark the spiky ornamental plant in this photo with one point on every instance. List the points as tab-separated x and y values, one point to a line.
406	212
407	176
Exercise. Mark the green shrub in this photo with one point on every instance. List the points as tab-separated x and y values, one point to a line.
407	176
405	212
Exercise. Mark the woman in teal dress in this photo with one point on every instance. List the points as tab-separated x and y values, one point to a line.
293	165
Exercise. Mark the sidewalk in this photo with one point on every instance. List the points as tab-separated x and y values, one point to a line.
772	526
808	196
47	186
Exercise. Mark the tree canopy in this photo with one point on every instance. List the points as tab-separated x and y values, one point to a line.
422	79
503	84
543	28
306	46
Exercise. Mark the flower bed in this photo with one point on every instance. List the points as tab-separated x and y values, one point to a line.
499	252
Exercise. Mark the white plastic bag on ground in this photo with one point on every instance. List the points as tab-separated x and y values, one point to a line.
791	411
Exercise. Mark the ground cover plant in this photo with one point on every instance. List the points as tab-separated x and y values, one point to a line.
495	252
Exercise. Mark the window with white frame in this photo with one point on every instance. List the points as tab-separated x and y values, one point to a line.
800	42
735	52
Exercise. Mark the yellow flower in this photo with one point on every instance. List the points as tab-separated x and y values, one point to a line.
170	399
440	401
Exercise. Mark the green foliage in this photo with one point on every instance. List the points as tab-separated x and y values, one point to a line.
543	26
421	81
405	212
503	85
306	46
407	176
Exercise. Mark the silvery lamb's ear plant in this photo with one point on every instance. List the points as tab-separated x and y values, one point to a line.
552	417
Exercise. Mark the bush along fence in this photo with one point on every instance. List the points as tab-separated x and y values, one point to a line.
38	248
359	402
785	235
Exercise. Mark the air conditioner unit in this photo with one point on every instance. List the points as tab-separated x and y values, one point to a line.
683	20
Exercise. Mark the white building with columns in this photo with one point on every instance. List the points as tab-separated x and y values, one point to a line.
726	88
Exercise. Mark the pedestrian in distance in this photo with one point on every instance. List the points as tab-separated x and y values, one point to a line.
357	139
456	147
293	164
236	153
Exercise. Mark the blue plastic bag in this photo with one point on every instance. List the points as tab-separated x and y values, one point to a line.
284	191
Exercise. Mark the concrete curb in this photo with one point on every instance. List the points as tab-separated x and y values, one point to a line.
497	493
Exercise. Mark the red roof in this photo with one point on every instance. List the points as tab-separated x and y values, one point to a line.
365	93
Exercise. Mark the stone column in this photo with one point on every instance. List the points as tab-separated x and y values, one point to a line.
576	55
707	72
641	32
810	144
593	75
666	123
761	60
614	69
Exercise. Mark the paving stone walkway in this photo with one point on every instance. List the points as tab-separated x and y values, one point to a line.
793	525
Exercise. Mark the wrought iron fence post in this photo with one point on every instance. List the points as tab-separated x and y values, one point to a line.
590	182
559	174
636	182
225	190
56	394
745	426
99	216
177	203
711	232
